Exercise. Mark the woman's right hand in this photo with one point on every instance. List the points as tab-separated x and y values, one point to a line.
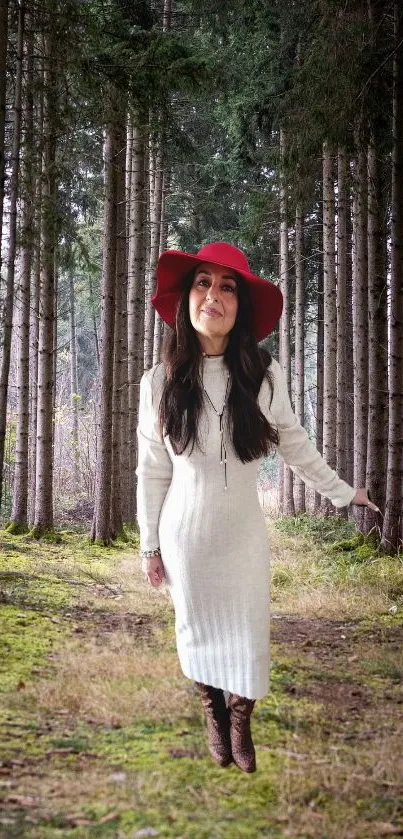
154	571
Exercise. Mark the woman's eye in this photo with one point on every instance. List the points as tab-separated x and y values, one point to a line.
201	281
229	288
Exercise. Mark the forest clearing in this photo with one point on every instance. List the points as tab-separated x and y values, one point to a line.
102	735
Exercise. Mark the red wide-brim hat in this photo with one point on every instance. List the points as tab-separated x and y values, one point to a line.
173	266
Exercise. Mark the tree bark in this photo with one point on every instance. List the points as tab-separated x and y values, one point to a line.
360	323
124	398
299	489
349	389
34	319
159	323
156	185
74	396
159	326
167	15
101	522
285	323
94	319
320	361
55	331
12	244
3	87
392	534
330	319
341	435
136	292
119	363
378	341
43	519
19	516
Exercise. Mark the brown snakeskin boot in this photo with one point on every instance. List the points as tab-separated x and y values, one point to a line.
243	750
218	735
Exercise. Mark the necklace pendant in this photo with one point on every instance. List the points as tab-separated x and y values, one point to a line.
220	414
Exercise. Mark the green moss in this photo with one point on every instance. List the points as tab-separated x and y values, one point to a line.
347	544
49	567
47	534
16	527
26	638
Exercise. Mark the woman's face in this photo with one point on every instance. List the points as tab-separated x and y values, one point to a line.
213	300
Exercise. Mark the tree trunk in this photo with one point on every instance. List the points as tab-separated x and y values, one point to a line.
392	534
360	324
34	322
136	291
378	341
19	516
124	399
74	396
149	175
119	456
43	519
94	319
349	388
341	436
167	15
330	320
55	331
12	244
156	186
320	361
285	359
101	522
159	323
3	87
299	342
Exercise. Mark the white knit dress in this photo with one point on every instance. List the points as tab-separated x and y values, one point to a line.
214	541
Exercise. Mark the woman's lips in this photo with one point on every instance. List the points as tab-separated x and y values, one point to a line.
211	313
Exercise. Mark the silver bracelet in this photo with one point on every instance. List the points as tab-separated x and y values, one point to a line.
149	554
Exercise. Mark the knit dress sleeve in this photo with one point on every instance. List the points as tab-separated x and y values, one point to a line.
296	449
154	466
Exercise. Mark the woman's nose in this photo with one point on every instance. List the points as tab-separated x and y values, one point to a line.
212	293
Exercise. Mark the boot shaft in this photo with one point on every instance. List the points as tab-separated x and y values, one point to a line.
240	710
218	731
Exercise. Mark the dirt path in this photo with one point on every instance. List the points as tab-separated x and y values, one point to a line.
350	669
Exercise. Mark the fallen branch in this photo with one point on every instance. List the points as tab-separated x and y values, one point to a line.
56	578
97	579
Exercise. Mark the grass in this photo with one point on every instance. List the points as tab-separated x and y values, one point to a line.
102	736
323	568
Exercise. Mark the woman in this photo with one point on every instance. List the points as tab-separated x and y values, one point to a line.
209	413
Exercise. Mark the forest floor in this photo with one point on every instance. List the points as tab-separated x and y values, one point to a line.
102	736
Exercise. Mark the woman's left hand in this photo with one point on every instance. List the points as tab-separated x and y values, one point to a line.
362	500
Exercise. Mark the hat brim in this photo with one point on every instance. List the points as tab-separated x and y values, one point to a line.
173	266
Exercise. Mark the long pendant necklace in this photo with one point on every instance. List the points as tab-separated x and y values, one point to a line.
220	414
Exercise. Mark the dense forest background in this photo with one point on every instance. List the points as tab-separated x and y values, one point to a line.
129	126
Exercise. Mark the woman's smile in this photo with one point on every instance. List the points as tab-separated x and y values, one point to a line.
211	313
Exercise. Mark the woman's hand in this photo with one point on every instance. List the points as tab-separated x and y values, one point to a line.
154	571
362	500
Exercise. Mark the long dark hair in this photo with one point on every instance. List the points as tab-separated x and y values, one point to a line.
182	396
